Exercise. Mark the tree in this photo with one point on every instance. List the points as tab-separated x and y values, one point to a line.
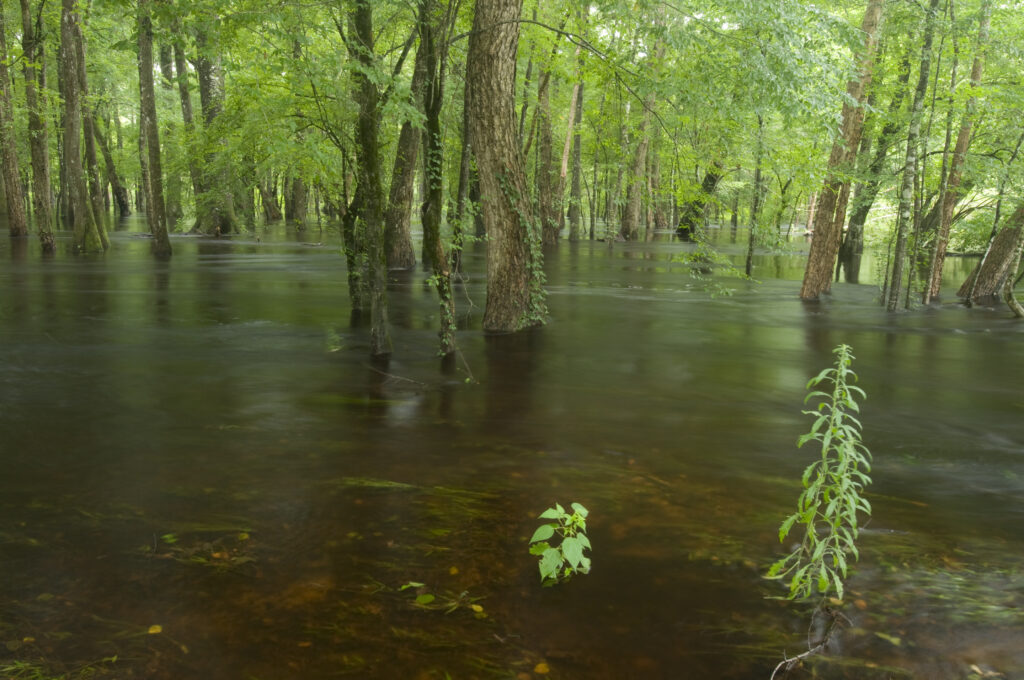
35	83
89	236
370	209
831	209
16	219
514	293
147	98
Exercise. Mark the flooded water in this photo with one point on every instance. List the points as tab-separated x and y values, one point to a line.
205	477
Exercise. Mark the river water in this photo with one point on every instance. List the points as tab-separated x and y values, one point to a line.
205	477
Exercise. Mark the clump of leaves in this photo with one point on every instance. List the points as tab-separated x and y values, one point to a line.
561	562
833	487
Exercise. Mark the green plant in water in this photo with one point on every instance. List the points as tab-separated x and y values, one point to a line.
833	487
559	563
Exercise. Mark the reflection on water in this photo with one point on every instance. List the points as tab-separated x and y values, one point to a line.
202	445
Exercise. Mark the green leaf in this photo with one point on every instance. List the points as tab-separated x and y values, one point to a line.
543	532
539	548
584	541
786	526
582	511
551	513
573	551
424	598
550	562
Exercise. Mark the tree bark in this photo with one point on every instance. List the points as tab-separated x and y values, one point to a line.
120	192
692	214
397	228
828	219
172	181
35	76
903	217
950	194
435	60
92	165
268	199
514	275
368	174
988	276
87	233
630	230
147	99
17	221
545	163
865	193
215	210
575	189
188	119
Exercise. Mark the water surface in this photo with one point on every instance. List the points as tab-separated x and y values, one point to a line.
204	475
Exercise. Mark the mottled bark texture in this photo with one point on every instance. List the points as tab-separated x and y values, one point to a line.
17	221
368	174
831	210
514	299
147	98
39	147
87	234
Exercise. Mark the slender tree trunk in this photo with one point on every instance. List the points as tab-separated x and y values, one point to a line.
755	206
514	276
215	210
435	58
35	76
575	190
397	219
825	244
865	193
87	236
903	217
950	194
368	174
172	180
630	230
147	98
92	166
16	219
120	193
465	180
545	162
188	119
268	198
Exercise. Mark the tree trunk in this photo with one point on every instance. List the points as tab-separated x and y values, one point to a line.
903	217
692	214
397	228
755	206
575	190
147	99
545	163
987	277
368	174
188	118
215	210
630	230
950	194
92	166
514	275
120	193
87	236
435	60
17	221
865	193
172	182
828	220
35	76
268	198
